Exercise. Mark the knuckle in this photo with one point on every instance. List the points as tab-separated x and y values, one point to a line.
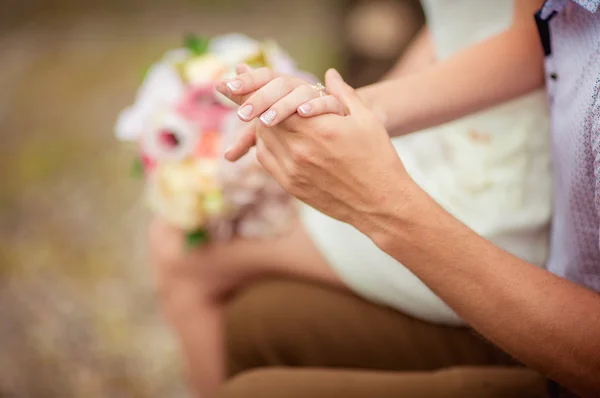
301	155
327	133
288	186
307	91
297	96
297	178
296	121
285	84
293	171
256	99
328	136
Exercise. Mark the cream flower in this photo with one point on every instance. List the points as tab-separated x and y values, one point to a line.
204	69
184	193
234	48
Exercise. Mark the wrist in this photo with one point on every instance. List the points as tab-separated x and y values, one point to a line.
369	96
390	223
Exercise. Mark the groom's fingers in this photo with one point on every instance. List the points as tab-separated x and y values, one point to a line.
269	161
342	91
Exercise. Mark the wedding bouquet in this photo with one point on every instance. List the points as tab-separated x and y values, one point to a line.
182	126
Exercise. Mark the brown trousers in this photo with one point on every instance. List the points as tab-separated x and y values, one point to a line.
297	340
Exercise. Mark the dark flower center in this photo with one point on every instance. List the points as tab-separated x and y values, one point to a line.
168	139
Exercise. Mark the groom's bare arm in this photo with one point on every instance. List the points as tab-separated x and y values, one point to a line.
547	322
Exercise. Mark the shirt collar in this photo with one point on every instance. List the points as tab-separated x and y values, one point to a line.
590	5
551	6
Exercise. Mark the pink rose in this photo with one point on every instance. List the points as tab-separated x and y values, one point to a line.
200	107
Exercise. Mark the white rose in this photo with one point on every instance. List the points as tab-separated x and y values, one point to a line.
161	89
204	69
168	122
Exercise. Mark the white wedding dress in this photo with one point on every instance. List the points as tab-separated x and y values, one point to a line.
490	170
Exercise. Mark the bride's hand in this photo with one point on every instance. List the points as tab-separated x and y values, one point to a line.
272	98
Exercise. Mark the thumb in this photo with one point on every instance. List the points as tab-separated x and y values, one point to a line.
337	87
242	145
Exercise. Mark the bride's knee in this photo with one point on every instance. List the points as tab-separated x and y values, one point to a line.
181	271
159	233
165	245
173	263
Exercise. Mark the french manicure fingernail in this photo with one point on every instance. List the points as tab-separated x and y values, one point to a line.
234	85
245	111
268	117
304	109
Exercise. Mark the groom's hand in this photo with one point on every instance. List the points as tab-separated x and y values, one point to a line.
269	98
344	166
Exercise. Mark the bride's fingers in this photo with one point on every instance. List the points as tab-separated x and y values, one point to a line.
287	105
241	146
263	98
243	68
322	105
240	87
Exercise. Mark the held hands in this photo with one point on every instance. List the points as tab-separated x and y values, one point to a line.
271	98
344	166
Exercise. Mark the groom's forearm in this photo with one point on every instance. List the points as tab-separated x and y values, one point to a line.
545	321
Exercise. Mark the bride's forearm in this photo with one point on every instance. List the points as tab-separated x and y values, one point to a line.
419	55
501	68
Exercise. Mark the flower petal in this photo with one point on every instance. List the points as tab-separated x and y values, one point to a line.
162	88
233	48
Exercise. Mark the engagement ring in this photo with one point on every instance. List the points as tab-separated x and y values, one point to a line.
321	89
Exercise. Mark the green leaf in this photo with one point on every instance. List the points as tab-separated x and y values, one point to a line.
197	45
196	238
144	73
137	168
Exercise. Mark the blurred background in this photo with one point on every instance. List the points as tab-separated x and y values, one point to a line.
78	316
